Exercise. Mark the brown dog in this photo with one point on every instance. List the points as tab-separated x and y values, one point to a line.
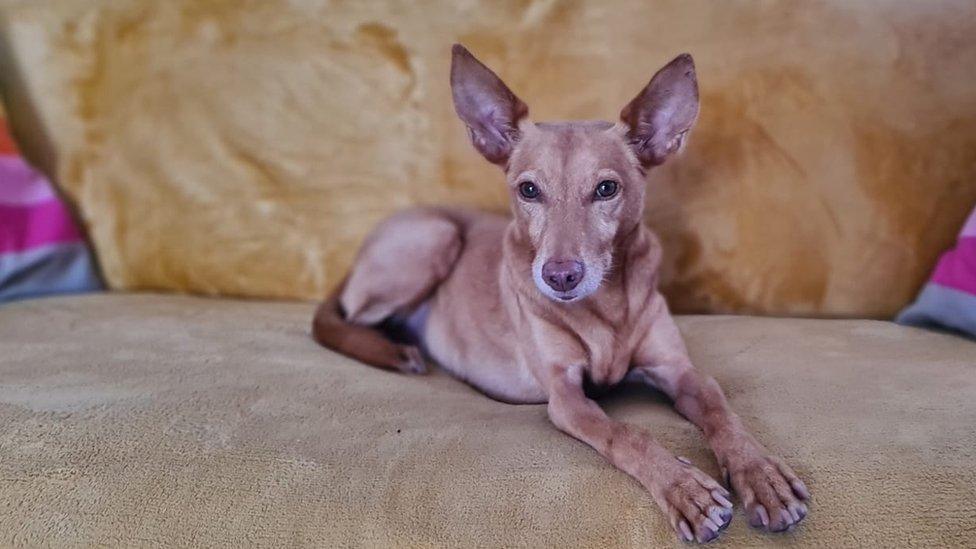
528	309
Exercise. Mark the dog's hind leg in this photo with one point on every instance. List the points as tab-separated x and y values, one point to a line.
397	269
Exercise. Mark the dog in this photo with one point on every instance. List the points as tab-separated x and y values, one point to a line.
561	297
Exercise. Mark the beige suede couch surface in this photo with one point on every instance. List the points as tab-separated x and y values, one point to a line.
146	420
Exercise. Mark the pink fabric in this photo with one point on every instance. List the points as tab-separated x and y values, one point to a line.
31	215
41	249
969	229
948	300
26	227
20	185
957	267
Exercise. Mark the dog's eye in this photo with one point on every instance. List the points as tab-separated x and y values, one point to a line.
606	189
528	190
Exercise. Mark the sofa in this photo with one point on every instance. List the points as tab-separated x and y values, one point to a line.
225	160
156	420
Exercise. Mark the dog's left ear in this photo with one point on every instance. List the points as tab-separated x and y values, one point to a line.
663	112
486	106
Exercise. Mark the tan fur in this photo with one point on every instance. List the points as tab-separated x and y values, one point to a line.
470	287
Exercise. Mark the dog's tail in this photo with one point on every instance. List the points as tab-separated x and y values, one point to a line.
363	343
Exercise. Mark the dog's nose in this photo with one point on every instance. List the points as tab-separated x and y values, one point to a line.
562	276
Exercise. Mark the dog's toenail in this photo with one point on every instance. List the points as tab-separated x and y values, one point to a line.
715	514
785	520
707	536
723	500
800	489
762	516
709	531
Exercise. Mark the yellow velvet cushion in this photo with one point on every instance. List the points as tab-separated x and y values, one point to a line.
246	148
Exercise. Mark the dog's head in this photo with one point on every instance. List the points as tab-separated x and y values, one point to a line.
577	188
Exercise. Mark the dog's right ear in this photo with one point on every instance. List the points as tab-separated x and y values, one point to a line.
486	106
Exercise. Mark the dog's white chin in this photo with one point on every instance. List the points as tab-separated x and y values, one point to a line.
567	297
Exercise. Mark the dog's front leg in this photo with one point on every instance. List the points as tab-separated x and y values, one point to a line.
771	492
696	506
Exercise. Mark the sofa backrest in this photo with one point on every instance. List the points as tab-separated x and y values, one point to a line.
246	148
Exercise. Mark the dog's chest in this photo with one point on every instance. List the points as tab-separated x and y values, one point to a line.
609	339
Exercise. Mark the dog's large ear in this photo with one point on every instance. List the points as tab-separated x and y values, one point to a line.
488	108
663	112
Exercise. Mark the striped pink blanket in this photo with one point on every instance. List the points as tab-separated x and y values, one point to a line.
41	250
948	300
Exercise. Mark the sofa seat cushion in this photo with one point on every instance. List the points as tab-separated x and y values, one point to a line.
132	420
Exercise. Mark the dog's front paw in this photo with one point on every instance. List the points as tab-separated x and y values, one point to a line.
772	493
697	507
412	360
